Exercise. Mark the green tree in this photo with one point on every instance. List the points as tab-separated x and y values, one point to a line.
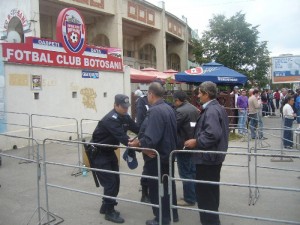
234	43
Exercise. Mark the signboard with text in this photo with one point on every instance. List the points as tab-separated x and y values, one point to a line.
69	50
286	69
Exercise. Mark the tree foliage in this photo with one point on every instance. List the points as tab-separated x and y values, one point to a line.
234	43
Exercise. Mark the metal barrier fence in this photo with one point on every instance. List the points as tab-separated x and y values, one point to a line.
283	154
64	127
38	210
50	217
83	129
19	125
46	162
255	186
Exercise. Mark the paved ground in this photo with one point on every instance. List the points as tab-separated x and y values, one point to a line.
18	192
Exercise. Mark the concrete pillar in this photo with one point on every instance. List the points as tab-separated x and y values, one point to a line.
162	62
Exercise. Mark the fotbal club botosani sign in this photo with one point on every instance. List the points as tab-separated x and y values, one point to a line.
69	50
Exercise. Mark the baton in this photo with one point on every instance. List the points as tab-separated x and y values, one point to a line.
87	151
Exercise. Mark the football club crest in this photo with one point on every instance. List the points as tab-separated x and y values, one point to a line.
194	71
72	30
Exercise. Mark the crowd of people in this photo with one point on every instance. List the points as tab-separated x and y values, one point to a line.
261	104
165	128
162	127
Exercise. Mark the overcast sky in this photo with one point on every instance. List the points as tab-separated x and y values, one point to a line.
278	20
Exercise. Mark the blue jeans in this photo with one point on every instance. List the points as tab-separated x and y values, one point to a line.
187	170
255	120
287	133
242	121
298	116
260	125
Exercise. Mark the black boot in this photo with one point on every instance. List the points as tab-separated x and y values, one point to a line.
145	194
103	210
113	216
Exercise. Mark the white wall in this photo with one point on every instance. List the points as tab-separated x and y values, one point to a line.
55	99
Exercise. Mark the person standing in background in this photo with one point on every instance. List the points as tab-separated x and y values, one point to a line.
138	92
288	116
277	98
187	116
235	92
242	104
142	107
297	106
284	92
265	103
271	102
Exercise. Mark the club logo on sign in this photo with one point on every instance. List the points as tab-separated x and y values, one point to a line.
194	71
72	30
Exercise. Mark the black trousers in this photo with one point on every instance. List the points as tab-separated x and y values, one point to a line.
151	167
109	181
208	195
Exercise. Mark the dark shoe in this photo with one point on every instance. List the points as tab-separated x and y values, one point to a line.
155	222
263	138
114	217
103	210
145	198
152	222
175	219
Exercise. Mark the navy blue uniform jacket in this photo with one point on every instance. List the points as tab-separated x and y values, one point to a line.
159	130
112	129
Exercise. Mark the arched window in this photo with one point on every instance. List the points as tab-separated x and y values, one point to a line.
174	62
147	56
15	31
100	40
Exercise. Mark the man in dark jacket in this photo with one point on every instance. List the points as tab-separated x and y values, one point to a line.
142	107
158	132
112	130
187	116
211	134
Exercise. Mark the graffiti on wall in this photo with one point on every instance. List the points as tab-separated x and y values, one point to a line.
88	98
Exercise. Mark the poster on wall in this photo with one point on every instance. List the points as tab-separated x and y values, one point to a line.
286	69
36	82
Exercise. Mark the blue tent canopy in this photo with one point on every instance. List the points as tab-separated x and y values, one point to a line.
214	72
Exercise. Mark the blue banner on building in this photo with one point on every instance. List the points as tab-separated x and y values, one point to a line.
90	74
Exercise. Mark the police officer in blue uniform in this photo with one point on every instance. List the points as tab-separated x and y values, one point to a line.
112	130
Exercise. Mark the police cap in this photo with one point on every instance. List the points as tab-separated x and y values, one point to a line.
122	100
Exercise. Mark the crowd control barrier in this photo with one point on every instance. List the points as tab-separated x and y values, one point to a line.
39	213
42	127
18	124
253	186
87	126
49	182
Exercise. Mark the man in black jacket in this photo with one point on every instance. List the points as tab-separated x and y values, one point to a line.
211	134
112	130
187	116
158	132
142	107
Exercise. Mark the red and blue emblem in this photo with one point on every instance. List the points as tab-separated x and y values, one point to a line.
71	30
195	71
